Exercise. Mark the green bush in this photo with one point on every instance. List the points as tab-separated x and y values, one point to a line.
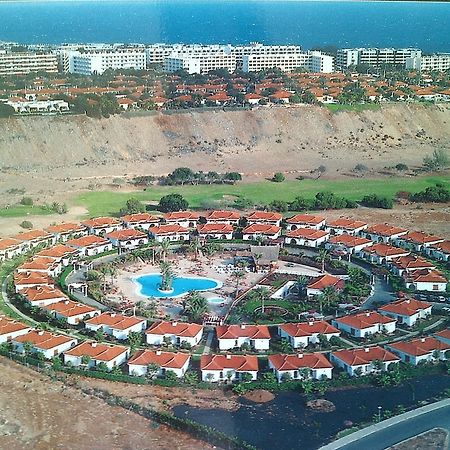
26	201
26	224
376	201
278	177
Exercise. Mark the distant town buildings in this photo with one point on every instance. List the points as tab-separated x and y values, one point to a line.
23	63
437	61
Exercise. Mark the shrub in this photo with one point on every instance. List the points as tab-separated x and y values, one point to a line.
173	202
438	194
278	206
401	167
360	168
437	160
26	201
278	177
376	201
132	206
27	225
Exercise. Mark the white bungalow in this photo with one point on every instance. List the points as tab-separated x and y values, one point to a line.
116	325
43	342
382	253
261	230
365	324
91	245
11	329
362	361
127	239
232	336
65	231
317	285
417	240
304	333
172	233
348	243
71	312
383	232
175	332
407	311
24	280
224	217
422	349
175	362
306	237
43	295
42	264
95	353
185	219
439	251
63	254
140	220
222	368
221	231
265	217
305	221
301	366
33	238
102	225
426	280
10	248
345	226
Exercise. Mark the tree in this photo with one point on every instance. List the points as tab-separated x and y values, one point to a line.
196	306
152	371
102	367
173	202
135	340
261	294
246	377
167	275
286	376
164	247
285	346
26	224
132	206
195	247
85	360
99	335
438	160
104	272
322	257
181	175
300	285
238	275
191	377
26	201
278	177
170	375
377	201
6	110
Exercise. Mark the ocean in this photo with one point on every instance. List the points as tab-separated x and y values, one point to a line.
308	23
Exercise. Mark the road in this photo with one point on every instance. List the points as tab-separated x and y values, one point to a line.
397	429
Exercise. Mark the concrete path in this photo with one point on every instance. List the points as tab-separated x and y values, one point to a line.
207	349
391	431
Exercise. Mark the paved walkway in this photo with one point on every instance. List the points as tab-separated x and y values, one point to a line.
207	349
391	431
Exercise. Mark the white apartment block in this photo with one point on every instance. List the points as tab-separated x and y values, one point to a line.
200	64
437	61
374	56
87	62
27	62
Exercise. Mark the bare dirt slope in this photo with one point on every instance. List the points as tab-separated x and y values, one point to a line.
36	413
263	140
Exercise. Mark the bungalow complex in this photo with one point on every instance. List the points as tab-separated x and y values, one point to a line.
102	225
44	342
93	353
260	217
139	220
382	253
417	240
127	239
33	238
226	217
260	230
10	248
307	237
216	368
383	232
439	251
61	253
42	264
66	231
444	336
175	362
172	232
232	336
301	366
29	279
43	295
362	361
318	284
116	325
186	219
304	333
71	312
305	221
90	245
426	280
409	263
345	226
174	332
364	324
407	311
217	230
348	243
422	349
10	329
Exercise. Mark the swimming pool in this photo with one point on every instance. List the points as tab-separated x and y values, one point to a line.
216	300
148	285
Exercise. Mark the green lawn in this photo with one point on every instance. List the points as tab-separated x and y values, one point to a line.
107	203
22	211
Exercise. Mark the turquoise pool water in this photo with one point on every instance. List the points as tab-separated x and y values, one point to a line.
216	300
149	285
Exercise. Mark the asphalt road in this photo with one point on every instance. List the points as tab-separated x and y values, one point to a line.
402	430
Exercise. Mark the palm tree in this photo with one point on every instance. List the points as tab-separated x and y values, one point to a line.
196	306
164	247
322	257
167	275
329	295
113	272
301	284
261	295
238	275
195	246
104	270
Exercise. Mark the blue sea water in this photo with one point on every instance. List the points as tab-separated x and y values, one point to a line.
307	23
149	285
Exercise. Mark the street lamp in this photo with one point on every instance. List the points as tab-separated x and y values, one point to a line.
379	413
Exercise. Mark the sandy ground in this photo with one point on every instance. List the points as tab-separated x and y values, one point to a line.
40	414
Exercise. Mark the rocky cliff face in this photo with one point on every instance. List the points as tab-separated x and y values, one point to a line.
262	140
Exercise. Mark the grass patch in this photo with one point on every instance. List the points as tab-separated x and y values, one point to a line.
22	211
353	108
263	192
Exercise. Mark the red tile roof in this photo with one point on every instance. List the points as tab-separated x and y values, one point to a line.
181	215
308	328
386	250
420	346
68	308
407	307
444	247
8	326
240	363
346	224
302	360
9	243
140	218
167	360
167	229
362	356
124	235
305	219
237	331
223	215
176	328
324	281
39	263
58	251
116	321
261	228
212	228
33	235
43	340
97	351
88	241
418	237
412	262
264	216
427	276
32	278
39	293
364	320
65	228
307	233
349	241
383	229
444	334
100	222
